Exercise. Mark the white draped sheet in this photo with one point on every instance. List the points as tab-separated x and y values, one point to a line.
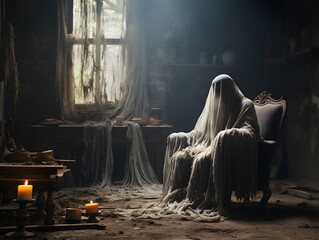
219	155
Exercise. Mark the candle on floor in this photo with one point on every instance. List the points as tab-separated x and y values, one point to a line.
73	214
91	208
25	192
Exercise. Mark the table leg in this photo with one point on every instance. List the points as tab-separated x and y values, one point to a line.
49	209
40	203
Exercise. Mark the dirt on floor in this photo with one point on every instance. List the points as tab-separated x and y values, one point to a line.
286	217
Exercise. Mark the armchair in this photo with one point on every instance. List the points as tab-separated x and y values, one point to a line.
270	114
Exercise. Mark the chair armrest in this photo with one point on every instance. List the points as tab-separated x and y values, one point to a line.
268	144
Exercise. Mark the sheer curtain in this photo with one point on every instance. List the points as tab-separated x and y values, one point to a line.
117	85
64	78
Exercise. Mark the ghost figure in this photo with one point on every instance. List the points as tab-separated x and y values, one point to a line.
218	156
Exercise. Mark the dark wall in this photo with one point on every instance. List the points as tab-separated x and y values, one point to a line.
302	81
1	77
296	79
35	29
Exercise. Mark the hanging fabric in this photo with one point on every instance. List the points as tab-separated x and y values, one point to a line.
101	73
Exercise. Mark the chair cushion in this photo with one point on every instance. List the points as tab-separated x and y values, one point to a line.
269	118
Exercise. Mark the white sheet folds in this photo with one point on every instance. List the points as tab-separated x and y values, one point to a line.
219	155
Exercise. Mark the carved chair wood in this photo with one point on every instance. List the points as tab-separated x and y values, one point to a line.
270	114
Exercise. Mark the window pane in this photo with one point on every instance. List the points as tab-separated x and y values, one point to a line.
84	74
112	13
84	68
111	73
81	26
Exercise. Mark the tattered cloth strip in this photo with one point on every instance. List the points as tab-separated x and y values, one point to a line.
11	73
97	160
138	170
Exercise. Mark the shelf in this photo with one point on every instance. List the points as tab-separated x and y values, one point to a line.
302	56
213	66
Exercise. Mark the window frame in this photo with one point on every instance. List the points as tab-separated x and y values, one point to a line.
99	41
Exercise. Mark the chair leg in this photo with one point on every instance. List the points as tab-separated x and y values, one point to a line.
225	208
265	198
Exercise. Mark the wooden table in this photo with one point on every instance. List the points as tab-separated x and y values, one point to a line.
42	177
67	141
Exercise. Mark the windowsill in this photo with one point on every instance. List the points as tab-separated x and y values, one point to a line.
74	126
75	132
92	112
81	106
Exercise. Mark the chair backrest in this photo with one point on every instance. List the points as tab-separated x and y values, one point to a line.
270	113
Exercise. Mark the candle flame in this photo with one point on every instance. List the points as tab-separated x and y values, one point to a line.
91	201
26	182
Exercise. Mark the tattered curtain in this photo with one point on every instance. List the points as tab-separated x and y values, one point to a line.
126	94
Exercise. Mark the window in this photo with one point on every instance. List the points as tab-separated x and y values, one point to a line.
96	50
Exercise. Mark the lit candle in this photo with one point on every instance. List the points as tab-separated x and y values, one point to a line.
91	208
25	191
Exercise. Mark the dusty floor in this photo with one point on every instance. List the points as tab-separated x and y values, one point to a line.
287	217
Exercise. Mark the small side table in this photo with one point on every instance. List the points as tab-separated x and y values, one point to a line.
42	177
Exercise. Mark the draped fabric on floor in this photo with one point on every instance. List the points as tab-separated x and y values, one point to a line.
124	94
204	166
